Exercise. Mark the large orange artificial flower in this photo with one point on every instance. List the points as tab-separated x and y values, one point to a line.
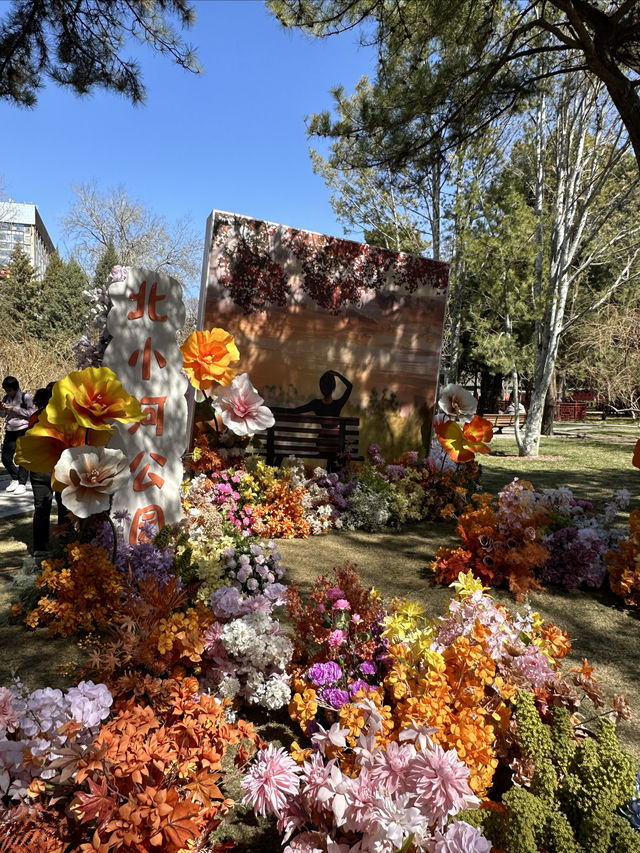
636	455
463	444
207	358
40	447
92	397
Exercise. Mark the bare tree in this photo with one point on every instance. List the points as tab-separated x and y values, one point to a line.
585	219
140	236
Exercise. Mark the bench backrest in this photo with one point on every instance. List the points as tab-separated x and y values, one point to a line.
311	436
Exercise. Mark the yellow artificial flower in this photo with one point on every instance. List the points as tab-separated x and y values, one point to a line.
40	448
207	357
92	397
467	584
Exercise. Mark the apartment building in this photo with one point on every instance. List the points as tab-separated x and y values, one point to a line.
21	224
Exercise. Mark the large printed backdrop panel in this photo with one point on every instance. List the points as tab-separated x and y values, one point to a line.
300	303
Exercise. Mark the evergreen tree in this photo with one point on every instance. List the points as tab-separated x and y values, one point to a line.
64	306
80	44
108	259
20	305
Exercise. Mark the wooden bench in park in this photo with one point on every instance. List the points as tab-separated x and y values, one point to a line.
310	436
503	419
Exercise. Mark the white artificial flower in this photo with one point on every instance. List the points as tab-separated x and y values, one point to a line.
90	475
457	402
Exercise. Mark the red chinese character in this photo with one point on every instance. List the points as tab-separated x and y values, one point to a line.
143	479
152	514
152	416
140	299
146	359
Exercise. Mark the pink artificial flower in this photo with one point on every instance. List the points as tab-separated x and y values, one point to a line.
356	618
460	837
336	638
341	604
335	592
8	715
241	407
271	781
441	783
389	766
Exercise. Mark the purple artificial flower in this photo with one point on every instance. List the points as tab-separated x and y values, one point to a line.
335	697
367	668
324	673
359	684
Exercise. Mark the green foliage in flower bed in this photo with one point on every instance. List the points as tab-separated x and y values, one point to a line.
574	792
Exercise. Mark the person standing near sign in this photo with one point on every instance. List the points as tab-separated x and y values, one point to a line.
42	491
16	408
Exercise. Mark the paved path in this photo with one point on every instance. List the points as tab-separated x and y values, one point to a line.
11	504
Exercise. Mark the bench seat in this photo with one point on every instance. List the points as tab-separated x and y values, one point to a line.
311	437
502	419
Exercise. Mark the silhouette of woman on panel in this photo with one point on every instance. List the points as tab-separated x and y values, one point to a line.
325	406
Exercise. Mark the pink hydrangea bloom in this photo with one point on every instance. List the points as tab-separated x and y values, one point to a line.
241	407
271	781
8	715
460	837
441	783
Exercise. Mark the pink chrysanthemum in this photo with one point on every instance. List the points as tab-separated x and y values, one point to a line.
8	715
441	783
271	781
336	638
389	766
460	837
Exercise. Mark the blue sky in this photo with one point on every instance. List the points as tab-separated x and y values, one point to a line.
232	138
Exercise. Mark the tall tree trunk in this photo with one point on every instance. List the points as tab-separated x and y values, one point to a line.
549	411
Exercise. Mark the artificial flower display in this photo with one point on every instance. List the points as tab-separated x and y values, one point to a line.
41	446
457	402
241	408
463	444
398	798
208	357
88	476
92	397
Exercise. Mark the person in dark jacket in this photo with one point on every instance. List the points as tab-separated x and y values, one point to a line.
16	408
42	491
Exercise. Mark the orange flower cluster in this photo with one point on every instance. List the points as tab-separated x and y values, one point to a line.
624	564
154	778
281	516
181	635
500	544
460	701
86	592
154	642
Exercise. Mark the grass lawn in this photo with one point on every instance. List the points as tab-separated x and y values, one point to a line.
397	563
